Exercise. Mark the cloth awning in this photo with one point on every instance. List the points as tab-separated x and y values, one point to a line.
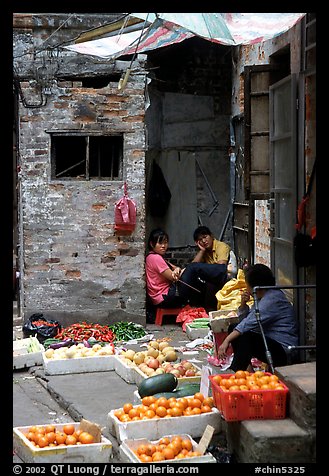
244	28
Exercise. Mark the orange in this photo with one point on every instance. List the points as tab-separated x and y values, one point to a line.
42	441
187	444
168	453
163	402
161	411
234	388
205	409
145	458
86	438
68	429
209	401
158	456
51	436
176	411
240	374
142	449
196	411
164	441
127	407
153	406
196	403
70	440
133	413
183	402
60	437
199	396
50	428
149	414
217	379
146	401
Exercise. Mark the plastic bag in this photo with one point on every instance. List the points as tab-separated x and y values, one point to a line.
42	328
125	214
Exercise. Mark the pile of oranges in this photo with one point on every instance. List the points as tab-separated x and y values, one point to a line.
49	436
152	407
175	447
244	380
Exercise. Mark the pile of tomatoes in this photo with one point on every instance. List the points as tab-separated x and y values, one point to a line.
244	380
152	408
49	436
176	447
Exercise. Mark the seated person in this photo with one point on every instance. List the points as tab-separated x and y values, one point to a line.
170	286
277	319
213	251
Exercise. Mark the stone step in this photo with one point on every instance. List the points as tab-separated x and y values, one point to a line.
277	441
301	401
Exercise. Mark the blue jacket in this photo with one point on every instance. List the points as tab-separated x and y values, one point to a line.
276	316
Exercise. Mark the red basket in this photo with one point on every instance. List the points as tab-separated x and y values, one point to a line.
249	404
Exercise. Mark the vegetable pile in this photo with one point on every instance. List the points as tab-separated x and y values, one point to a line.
188	314
125	331
79	332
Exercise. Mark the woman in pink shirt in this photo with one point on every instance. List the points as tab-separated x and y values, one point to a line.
165	283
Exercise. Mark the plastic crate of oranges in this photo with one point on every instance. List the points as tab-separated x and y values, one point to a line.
249	396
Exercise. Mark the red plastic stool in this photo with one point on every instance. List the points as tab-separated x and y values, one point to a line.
166	312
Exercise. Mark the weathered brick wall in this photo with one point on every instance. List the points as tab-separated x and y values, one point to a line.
73	265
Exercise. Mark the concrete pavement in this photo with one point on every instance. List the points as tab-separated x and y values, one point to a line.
40	398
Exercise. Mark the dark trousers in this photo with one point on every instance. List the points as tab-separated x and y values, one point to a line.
200	276
251	344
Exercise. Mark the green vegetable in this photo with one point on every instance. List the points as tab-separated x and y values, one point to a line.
201	323
125	331
33	345
156	384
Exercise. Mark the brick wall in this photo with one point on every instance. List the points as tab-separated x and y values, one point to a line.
73	265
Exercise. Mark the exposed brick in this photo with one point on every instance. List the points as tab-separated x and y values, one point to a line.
73	274
52	260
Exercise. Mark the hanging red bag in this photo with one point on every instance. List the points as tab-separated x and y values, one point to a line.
125	213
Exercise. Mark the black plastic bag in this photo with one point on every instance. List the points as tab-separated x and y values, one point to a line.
42	328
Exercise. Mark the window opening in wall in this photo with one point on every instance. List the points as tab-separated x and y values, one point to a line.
86	157
95	82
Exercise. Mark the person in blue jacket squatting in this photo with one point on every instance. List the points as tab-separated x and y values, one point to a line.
277	318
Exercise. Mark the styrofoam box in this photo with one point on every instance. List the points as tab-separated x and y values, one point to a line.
193	425
126	371
140	376
99	363
196	333
128	456
220	324
88	453
23	358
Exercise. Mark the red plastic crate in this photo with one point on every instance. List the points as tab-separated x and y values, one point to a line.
250	404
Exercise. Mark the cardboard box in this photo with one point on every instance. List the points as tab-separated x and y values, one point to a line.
24	359
99	363
128	456
153	429
88	453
